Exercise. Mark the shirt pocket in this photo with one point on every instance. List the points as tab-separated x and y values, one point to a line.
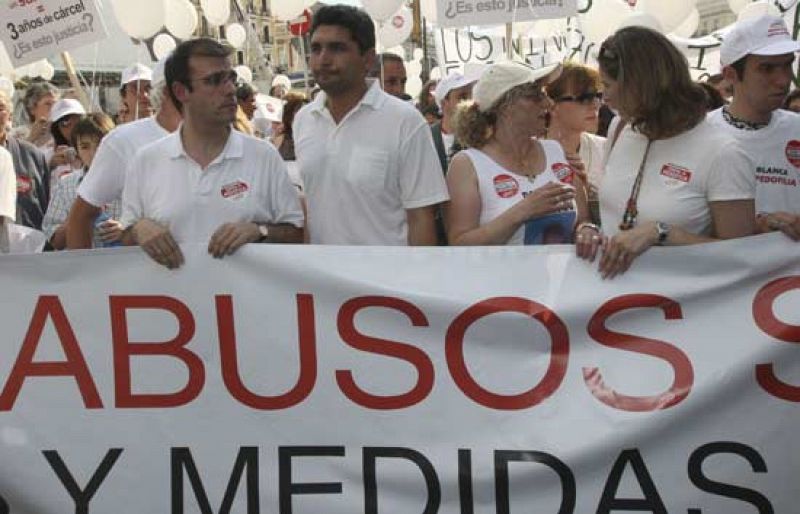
368	169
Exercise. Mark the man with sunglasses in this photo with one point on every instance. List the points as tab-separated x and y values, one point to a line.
103	183
757	58
367	159
207	183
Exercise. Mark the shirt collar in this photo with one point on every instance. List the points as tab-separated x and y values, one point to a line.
373	98
234	147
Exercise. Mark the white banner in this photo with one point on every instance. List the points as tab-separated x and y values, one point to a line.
461	13
33	29
354	379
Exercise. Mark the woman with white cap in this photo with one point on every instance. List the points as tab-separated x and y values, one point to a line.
63	117
670	178
509	186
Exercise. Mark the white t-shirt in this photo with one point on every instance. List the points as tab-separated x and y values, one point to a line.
361	175
500	189
246	182
682	175
105	182
775	155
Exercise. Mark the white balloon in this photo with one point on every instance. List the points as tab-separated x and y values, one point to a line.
602	20
181	18
689	25
236	35
163	44
757	9
737	5
413	85
669	13
217	12
642	19
47	71
245	74
140	19
397	28
287	10
381	10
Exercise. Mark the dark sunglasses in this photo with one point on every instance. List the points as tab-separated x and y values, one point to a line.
585	98
219	78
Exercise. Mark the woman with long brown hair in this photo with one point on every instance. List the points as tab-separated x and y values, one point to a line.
670	178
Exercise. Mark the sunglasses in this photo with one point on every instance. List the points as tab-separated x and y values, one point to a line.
219	78
585	99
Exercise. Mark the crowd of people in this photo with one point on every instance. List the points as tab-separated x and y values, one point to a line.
512	155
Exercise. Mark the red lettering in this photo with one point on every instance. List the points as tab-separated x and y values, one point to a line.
124	349
307	349
764	316
559	355
402	351
75	365
682	366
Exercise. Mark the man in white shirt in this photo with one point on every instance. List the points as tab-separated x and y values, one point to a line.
367	159
757	56
103	185
14	238
136	82
206	182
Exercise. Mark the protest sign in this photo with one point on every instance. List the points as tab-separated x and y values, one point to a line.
368	379
462	13
34	29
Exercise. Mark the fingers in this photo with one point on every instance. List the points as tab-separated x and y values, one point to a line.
786	223
615	260
587	244
228	238
158	243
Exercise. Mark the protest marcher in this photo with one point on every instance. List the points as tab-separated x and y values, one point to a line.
509	186
792	102
671	177
30	167
757	56
14	238
281	85
103	185
135	86
87	133
284	139
242	123
64	158
574	119
38	100
451	90
246	98
367	159
390	70
206	182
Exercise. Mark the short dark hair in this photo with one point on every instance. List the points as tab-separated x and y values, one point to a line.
739	67
96	124
176	68
244	91
381	61
355	20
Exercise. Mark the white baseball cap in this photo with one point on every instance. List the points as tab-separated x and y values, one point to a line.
501	77
65	107
282	80
453	81
136	71
765	35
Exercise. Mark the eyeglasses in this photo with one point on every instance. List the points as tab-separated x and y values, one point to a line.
585	98
219	78
66	121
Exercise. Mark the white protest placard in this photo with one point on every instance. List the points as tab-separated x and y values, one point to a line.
341	380
462	13
34	29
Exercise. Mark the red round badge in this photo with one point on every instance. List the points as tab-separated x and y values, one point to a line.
793	152
24	185
564	172
505	186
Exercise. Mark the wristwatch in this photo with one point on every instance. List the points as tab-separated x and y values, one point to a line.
662	232
263	229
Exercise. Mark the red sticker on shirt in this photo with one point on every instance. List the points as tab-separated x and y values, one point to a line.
793	152
564	172
506	186
676	172
234	190
24	185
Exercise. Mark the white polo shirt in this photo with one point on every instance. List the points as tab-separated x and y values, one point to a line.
775	154
361	175
246	182
104	184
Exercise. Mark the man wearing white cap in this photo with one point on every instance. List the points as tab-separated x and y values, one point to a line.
451	90
281	85
757	57
134	89
13	238
367	159
107	178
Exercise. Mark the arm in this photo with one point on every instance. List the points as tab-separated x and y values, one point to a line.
229	237
786	222
463	213
421	226
80	224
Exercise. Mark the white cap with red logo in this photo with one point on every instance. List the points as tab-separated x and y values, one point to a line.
765	35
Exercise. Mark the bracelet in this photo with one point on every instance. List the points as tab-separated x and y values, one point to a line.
586	224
